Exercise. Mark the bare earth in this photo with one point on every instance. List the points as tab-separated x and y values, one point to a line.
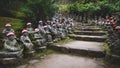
65	61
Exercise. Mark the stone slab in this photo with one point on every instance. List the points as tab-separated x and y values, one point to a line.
85	45
84	48
88	38
95	33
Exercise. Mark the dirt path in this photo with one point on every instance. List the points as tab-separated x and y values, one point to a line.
66	61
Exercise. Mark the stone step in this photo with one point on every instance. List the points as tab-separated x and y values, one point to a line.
85	24
85	48
88	38
89	29
79	26
95	33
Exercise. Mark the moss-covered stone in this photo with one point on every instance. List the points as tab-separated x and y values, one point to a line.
63	41
107	49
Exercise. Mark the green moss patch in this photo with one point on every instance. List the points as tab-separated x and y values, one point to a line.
16	23
107	49
63	41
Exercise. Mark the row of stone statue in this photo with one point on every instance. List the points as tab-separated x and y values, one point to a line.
113	31
31	39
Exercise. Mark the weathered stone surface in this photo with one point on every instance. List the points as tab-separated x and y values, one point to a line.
33	61
67	61
84	45
90	29
88	38
92	49
113	58
94	33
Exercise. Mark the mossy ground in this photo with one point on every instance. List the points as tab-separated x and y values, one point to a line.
26	60
107	62
107	48
64	41
47	52
16	23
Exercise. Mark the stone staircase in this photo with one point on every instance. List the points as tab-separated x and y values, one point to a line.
88	42
86	51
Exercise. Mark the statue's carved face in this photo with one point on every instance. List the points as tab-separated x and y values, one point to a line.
11	38
25	34
8	28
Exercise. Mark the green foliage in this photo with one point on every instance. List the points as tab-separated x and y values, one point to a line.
72	8
63	8
39	9
82	8
6	6
28	9
16	23
117	5
106	7
29	15
101	8
85	7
